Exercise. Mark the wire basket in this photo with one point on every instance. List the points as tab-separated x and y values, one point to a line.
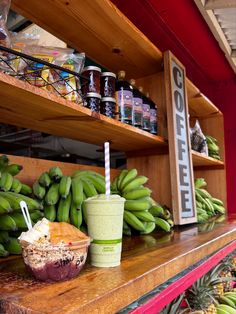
51	77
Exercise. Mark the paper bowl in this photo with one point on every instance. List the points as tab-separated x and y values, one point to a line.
55	262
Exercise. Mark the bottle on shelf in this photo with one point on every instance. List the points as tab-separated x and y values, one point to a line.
124	99
137	117
146	112
153	115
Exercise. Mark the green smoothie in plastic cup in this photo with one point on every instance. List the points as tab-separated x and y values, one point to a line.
105	224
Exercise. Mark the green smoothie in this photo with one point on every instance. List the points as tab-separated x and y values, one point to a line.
105	224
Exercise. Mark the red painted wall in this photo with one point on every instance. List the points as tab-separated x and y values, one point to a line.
179	27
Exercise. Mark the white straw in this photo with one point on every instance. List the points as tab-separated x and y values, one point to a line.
107	168
26	214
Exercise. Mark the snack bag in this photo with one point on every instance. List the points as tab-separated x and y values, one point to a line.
64	83
37	73
198	139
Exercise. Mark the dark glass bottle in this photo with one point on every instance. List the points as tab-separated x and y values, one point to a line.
137	117
146	113
153	116
124	98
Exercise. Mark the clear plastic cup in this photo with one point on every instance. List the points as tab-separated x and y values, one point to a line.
49	262
105	224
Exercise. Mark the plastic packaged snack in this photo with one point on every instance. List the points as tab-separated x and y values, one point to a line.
63	83
37	73
4	34
198	139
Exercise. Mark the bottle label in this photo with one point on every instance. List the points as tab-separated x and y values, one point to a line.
137	111
153	121
125	102
146	117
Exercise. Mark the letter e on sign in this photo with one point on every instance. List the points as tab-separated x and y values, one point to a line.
182	185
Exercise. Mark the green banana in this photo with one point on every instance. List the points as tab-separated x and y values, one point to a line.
88	188
221	218
149	227
4	236
129	176
133	221
3	252
156	211
6	181
217	201
231	296
198	204
202	218
138	193
213	147
7	223
52	195
19	220
4	160
82	173
26	190
167	213
225	300
64	186
50	212
209	205
219	209
38	190
126	229
170	222
45	180
121	177
204	193
199	198
201	211
163	224
134	205
55	174
77	191
144	216
5	206
16	185
134	184
84	210
200	182
63	211
224	308
13	246
98	182
14	200
36	215
76	215
13	169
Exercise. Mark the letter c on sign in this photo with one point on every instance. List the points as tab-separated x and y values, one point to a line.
177	77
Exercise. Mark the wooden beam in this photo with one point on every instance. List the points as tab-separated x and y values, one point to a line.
217	31
220	4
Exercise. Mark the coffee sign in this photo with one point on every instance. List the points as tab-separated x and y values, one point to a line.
179	149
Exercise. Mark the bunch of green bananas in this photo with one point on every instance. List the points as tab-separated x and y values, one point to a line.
207	205
141	213
213	148
227	303
62	196
12	220
7	180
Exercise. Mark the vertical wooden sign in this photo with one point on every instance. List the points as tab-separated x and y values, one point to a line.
182	182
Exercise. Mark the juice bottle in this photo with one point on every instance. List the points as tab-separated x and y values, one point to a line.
137	117
153	116
124	99
146	113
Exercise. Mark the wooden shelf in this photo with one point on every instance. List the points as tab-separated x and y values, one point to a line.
97	28
199	105
200	160
31	107
147	261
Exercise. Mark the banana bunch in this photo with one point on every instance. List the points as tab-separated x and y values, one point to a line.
213	148
7	180
227	303
207	205
141	212
9	245
62	196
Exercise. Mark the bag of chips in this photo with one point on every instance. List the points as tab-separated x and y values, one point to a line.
198	139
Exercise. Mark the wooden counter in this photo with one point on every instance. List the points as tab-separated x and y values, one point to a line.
147	261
